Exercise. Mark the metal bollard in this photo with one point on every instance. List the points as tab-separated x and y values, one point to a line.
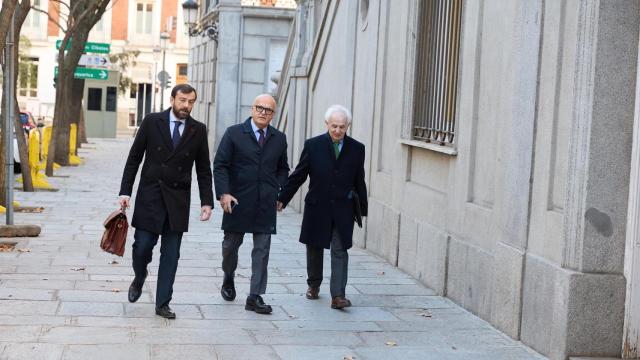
46	139
73	136
39	179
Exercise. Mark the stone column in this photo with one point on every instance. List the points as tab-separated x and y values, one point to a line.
228	66
581	300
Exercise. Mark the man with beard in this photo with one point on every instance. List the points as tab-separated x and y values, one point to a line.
171	142
249	168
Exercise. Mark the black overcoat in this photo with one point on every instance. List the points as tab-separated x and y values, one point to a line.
251	174
328	202
165	179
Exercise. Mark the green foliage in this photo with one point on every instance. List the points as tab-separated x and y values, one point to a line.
122	61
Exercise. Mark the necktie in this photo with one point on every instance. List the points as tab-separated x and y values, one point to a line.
261	137
336	148
175	137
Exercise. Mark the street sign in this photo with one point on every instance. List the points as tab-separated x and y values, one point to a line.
90	47
163	76
87	73
94	61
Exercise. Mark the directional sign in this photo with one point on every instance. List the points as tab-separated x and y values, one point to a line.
87	73
94	61
89	47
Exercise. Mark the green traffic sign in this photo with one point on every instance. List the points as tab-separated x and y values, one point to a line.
89	47
87	73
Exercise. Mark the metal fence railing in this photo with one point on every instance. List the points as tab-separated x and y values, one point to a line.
438	46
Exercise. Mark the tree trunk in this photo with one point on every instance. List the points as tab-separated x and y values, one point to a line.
8	8
82	130
83	16
20	15
77	94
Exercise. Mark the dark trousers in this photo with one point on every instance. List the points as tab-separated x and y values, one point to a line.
339	265
259	258
144	242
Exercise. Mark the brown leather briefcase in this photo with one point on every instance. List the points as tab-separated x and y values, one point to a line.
115	232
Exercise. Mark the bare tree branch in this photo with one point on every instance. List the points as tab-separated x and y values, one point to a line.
50	18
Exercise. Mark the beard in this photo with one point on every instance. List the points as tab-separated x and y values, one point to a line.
181	114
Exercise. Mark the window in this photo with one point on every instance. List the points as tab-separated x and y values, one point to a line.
33	18
437	55
181	70
144	17
94	99
112	98
28	77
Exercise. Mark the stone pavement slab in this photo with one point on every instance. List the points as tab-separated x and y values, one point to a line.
65	298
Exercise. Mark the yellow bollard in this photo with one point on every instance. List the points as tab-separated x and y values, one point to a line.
38	178
46	139
73	135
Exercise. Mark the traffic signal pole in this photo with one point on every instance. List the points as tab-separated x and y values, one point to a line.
9	120
163	83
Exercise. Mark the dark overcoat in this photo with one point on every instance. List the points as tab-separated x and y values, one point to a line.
165	179
251	174
329	202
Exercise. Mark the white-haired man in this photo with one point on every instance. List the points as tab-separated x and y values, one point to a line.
334	163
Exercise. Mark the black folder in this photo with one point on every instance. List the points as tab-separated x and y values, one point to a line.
357	210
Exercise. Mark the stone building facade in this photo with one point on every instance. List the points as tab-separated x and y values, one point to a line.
513	199
231	68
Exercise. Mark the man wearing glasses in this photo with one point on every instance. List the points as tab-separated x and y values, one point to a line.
249	169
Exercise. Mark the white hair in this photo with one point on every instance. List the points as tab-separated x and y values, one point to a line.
337	108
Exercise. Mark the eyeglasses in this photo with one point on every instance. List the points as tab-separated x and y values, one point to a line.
261	109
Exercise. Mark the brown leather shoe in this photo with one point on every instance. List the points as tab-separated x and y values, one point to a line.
313	293
340	302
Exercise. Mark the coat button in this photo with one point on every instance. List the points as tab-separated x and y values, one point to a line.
159	181
159	148
175	184
179	168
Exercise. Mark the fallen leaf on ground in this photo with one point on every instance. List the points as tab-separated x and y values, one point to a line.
348	357
77	268
6	247
426	314
113	262
293	316
380	272
115	290
391	343
24	250
454	348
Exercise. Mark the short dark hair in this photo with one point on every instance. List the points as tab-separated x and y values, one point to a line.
184	89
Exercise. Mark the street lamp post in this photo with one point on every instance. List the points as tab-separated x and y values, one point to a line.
156	58
163	43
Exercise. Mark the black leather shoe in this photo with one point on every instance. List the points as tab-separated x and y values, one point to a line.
166	312
228	290
135	290
257	304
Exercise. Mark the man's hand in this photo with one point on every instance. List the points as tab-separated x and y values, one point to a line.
205	213
227	201
279	205
124	201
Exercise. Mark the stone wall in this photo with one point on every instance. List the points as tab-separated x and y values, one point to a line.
523	221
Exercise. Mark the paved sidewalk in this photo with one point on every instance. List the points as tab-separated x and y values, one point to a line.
66	299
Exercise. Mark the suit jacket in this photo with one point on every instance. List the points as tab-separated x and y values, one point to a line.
253	175
328	202
165	179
